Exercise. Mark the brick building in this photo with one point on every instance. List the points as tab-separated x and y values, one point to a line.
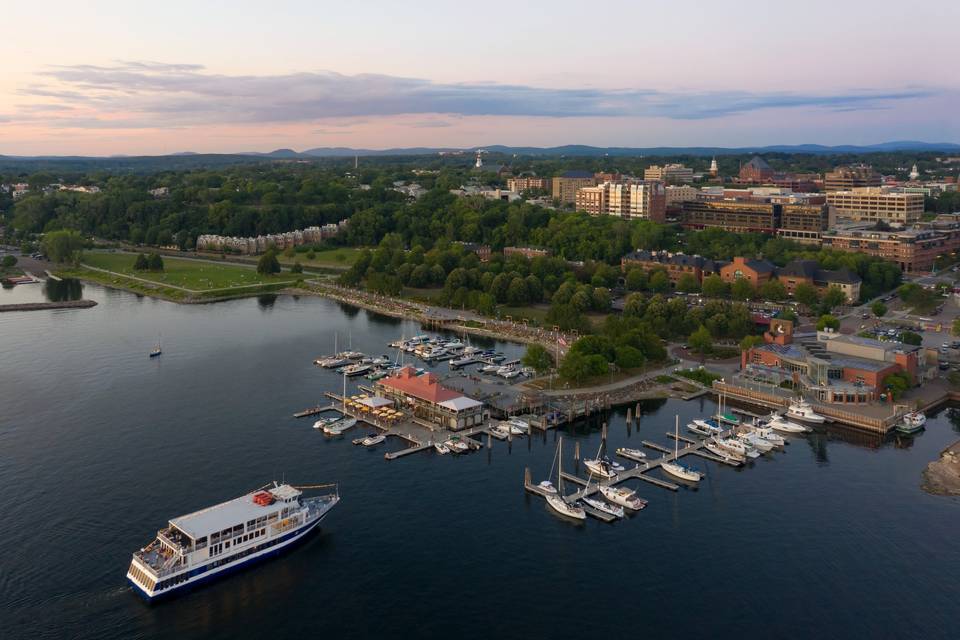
756	171
675	264
528	183
756	272
851	177
876	204
809	272
566	184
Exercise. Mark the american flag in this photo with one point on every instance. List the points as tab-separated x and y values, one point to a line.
561	341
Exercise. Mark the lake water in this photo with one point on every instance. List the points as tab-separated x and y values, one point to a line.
100	445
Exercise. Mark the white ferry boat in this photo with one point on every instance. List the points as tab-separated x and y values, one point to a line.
206	544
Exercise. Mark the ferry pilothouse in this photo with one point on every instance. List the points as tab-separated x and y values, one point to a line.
208	543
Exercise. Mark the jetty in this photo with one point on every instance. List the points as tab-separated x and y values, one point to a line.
39	306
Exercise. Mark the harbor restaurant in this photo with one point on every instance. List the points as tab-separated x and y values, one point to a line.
429	400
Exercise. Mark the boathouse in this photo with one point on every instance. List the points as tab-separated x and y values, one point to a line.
429	400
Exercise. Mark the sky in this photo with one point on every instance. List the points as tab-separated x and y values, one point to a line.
104	77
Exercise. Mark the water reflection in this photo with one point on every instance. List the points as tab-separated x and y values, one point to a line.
63	290
266	301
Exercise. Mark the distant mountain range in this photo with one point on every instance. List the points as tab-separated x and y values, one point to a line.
586	150
190	158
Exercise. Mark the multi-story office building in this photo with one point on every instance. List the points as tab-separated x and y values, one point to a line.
565	185
740	216
528	183
851	177
911	249
630	199
673	173
677	193
876	204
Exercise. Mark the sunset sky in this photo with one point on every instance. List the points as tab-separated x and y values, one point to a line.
103	78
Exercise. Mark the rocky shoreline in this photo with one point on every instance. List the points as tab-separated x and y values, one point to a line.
942	477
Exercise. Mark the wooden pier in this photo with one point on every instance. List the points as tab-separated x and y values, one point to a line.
640	472
312	411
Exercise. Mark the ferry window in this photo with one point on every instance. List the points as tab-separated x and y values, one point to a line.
225	533
226	544
237	530
214	538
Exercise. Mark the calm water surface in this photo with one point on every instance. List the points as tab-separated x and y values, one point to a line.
100	445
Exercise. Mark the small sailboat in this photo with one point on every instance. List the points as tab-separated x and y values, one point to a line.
337	427
623	497
602	465
557	501
674	467
157	350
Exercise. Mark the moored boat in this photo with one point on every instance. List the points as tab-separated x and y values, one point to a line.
675	467
781	424
623	497
441	448
633	454
556	501
801	410
601	505
912	422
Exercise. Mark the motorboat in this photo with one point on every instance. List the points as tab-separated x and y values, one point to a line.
633	454
157	350
755	441
322	422
737	447
352	355
781	424
337	427
768	434
603	467
380	360
522	425
547	487
801	410
332	362
707	427
441	448
373	440
509	373
601	505
912	422
675	467
511	429
457	445
490	368
377	374
623	497
727	456
356	369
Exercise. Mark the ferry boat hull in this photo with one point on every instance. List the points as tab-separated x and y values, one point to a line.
201	575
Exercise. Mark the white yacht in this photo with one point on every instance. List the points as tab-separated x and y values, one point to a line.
755	441
781	424
356	369
724	454
374	440
600	505
601	468
337	427
632	454
912	422
768	434
441	448
522	425
801	410
511	429
623	497
547	486
205	544
737	447
707	427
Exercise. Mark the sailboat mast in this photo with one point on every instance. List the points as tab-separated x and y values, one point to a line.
676	437
560	467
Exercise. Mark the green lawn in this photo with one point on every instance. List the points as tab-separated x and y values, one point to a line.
197	275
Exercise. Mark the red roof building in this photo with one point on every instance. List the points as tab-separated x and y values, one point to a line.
429	400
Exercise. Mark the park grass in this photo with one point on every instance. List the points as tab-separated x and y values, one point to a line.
535	314
196	275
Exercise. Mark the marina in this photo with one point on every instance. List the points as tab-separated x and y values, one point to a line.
245	430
